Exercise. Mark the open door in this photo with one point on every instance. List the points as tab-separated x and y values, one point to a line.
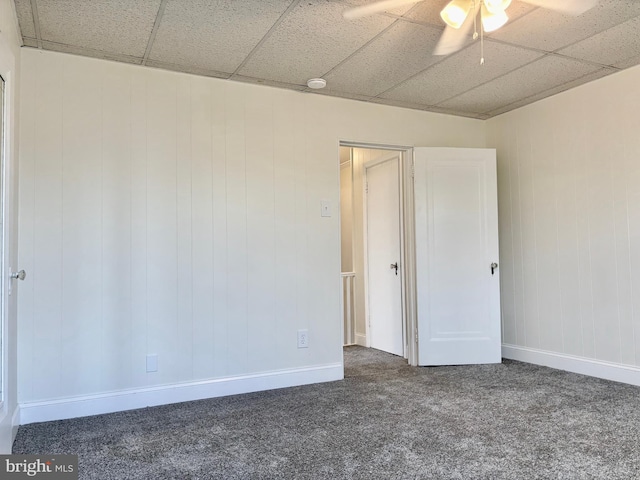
456	251
384	277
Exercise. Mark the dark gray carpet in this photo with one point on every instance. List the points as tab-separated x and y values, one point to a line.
385	421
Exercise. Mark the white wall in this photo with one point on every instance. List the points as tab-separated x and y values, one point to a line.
10	71
172	214
569	198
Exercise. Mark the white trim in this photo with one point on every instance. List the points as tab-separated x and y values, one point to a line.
81	406
361	339
409	258
585	366
15	423
8	428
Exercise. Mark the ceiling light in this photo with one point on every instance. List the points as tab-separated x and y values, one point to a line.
456	12
496	6
316	83
492	21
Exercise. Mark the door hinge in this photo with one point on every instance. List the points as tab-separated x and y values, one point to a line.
366	187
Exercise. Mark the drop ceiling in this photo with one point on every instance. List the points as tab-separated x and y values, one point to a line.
385	58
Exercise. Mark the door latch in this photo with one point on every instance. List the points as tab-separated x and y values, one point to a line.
394	265
494	265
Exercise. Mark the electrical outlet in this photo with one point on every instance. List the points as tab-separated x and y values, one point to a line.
303	338
152	363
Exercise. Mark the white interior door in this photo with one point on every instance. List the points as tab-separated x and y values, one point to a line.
384	284
458	290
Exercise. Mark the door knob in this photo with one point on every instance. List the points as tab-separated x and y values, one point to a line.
394	265
494	265
19	275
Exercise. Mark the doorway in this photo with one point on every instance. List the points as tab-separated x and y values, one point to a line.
371	221
448	266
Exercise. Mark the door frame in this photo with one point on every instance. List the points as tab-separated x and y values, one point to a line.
407	243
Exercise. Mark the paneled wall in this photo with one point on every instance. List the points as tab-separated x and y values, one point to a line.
163	213
569	199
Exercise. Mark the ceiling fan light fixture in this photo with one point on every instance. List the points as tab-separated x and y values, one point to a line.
456	12
493	21
496	6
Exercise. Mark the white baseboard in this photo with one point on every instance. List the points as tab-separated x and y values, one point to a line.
585	366
361	339
73	407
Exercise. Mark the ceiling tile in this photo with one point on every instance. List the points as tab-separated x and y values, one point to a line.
87	52
461	72
547	30
610	47
30	42
350	96
398	103
187	69
268	83
458	113
395	11
548	72
114	26
603	72
428	12
629	62
302	47
25	18
426	108
213	34
372	70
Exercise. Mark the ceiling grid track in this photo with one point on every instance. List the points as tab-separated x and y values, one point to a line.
36	23
597	33
506	108
424	70
349	57
489	81
289	9
154	31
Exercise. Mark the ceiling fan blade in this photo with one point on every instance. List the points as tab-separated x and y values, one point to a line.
569	7
453	39
375	7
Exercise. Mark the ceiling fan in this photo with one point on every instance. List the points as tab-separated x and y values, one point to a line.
461	15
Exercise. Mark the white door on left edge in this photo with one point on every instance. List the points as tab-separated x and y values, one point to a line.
383	256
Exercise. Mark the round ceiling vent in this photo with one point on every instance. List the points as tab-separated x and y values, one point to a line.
317	83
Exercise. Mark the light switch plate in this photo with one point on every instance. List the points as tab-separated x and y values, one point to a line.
325	208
